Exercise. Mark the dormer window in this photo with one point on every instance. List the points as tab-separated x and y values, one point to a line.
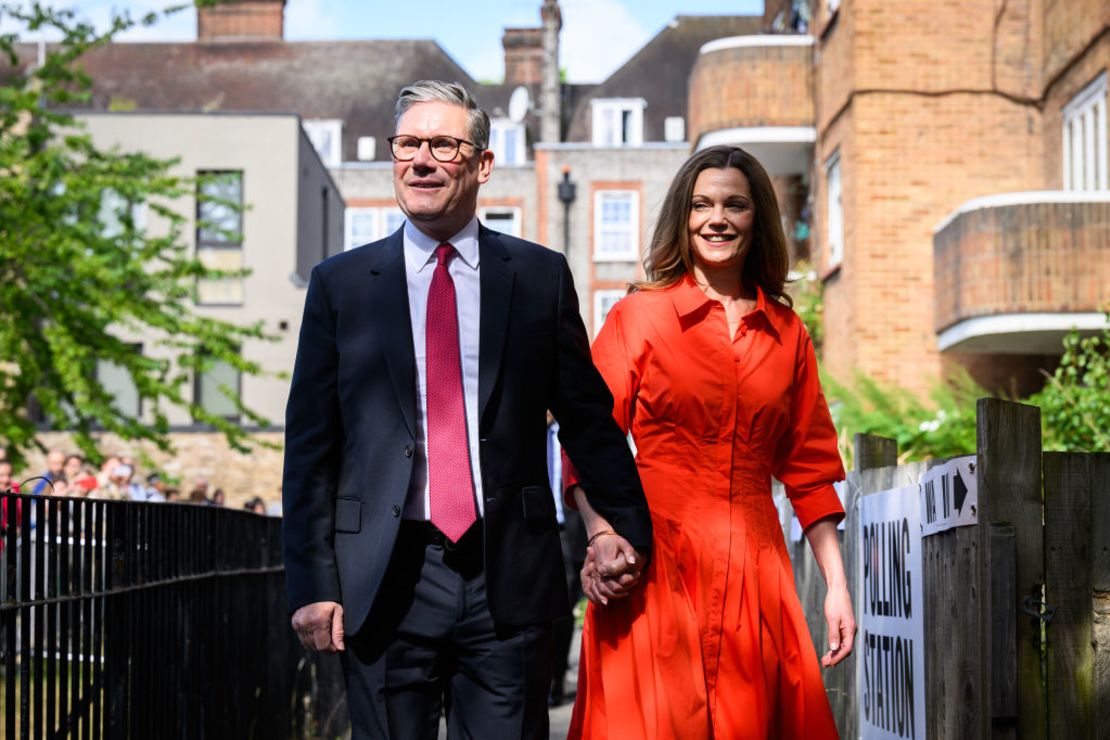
618	121
506	141
326	135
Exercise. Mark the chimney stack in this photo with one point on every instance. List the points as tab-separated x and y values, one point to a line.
550	98
523	56
242	20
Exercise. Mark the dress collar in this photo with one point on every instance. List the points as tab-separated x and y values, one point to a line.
688	298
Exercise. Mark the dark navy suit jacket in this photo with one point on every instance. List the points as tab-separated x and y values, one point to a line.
350	427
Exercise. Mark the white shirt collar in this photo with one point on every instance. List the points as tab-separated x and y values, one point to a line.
420	248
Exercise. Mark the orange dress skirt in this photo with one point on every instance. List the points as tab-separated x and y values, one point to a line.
713	642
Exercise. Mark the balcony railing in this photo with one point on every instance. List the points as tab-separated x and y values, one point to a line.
1015	271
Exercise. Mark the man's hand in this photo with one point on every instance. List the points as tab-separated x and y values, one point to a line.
612	569
319	626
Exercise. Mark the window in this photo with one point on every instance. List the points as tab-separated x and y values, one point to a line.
220	236
367	148
326	136
118	383
506	141
618	121
616	225
505	220
365	225
217	388
835	211
604	300
115	213
1085	158
674	129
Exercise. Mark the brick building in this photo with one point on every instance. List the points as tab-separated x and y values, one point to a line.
958	163
943	166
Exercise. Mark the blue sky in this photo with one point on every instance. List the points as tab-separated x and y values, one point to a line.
598	35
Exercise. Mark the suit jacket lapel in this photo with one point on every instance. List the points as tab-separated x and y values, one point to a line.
389	307
497	289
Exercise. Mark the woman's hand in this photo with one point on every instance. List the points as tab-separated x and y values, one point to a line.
842	625
838	602
610	578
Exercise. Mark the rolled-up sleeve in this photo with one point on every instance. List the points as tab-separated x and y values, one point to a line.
807	459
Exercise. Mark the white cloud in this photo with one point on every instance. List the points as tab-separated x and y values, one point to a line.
308	20
598	36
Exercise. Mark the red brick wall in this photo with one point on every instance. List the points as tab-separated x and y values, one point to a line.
751	86
1070	26
248	18
1050	257
523	56
904	91
1084	70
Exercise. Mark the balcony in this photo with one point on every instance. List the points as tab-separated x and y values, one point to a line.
1016	272
756	92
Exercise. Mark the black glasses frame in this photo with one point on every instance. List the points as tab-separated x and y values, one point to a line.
431	149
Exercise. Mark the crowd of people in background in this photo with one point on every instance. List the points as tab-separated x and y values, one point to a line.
117	478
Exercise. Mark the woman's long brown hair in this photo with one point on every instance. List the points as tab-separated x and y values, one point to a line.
670	257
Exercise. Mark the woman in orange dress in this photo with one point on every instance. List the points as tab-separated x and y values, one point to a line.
716	379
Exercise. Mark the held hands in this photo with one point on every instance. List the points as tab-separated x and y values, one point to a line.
842	625
612	568
319	626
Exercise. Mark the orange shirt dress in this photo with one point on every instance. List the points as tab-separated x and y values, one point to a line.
713	642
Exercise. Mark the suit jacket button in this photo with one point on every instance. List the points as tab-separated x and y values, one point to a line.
491	500
396	510
408	450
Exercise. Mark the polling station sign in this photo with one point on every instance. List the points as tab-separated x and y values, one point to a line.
949	496
890	663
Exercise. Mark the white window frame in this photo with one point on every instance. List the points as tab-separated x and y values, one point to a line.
497	129
602	136
349	215
379	229
834	210
367	149
332	156
517	224
601	310
674	129
632	252
1084	135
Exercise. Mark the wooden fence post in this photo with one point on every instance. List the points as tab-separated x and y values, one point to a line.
1009	488
875	452
1077	568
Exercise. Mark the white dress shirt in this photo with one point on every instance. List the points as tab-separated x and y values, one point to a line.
420	262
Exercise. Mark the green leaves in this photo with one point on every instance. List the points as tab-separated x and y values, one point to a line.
82	274
1075	402
942	425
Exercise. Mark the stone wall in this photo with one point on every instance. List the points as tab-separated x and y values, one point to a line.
200	454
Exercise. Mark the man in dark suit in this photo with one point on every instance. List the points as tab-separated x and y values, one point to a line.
420	532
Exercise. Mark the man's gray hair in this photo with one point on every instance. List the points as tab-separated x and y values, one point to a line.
428	91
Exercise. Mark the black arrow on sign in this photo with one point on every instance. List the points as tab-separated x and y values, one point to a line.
960	491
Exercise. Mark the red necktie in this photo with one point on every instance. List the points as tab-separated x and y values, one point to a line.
450	485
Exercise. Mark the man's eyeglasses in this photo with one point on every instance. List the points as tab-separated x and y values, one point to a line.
443	148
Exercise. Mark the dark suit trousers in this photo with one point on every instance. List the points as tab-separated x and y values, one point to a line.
430	644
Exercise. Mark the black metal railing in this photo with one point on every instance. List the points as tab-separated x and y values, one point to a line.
123	619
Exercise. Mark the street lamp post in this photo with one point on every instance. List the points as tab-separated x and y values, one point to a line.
567	192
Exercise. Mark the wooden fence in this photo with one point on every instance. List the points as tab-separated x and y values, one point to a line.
1017	607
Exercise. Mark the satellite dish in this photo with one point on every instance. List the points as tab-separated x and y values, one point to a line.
519	103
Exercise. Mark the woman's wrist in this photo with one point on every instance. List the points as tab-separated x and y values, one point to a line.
598	534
